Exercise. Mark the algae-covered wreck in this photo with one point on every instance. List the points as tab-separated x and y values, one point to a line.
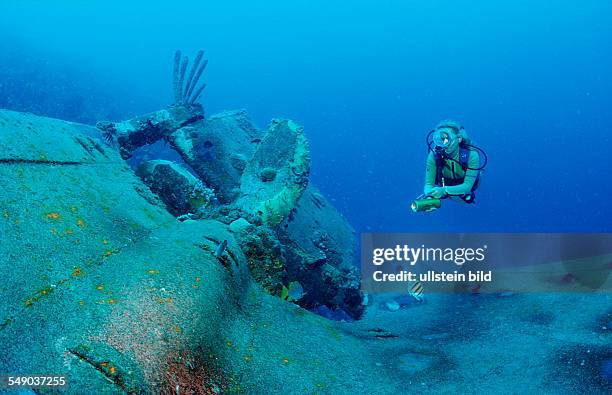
255	181
119	281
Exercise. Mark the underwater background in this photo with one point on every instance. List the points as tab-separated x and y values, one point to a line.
90	262
529	81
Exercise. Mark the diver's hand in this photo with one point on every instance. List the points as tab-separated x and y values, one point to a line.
437	192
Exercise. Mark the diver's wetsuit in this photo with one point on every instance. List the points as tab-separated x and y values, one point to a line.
457	181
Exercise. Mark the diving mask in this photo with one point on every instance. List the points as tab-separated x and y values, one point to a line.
444	139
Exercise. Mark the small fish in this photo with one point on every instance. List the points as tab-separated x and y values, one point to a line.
293	292
366	299
417	291
220	249
185	217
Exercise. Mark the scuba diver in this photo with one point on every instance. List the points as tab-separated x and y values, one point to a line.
453	167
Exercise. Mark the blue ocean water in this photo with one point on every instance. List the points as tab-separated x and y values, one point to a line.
529	81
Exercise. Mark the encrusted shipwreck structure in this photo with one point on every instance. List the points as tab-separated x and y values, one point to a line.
259	178
143	282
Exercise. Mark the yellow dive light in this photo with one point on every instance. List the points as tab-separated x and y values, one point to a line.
426	204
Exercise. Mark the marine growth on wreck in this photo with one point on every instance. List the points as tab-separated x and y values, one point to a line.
173	275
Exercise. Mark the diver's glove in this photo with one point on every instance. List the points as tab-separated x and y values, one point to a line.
438	192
